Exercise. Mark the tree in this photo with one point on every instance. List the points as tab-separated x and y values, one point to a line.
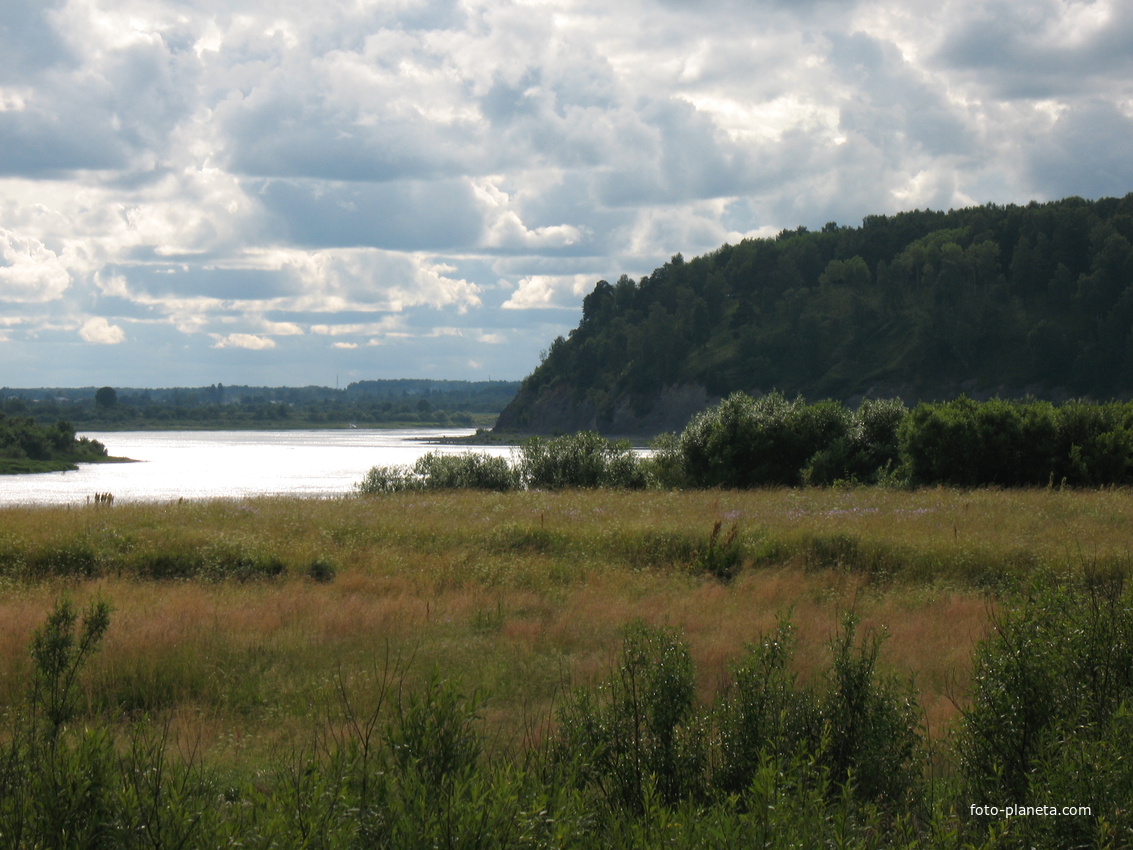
106	397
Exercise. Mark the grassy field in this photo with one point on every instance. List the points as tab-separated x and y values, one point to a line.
521	594
249	625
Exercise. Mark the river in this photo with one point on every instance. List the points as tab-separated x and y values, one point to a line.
230	464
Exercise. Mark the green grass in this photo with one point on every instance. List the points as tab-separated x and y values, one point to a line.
225	634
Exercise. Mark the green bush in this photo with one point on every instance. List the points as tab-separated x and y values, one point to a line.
866	452
762	442
762	714
640	729
468	470
585	459
968	443
322	570
871	721
388	479
1048	719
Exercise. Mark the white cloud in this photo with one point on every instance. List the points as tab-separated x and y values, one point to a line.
541	291
250	342
99	331
29	271
254	174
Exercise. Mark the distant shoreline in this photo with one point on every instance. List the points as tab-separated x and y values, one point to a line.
24	466
283	425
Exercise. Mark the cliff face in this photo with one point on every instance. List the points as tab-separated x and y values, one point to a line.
556	410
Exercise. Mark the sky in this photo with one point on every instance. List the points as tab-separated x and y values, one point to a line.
283	193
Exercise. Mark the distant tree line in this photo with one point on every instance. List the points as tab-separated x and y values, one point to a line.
746	442
923	305
366	403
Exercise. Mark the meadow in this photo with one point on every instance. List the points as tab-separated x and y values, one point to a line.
245	636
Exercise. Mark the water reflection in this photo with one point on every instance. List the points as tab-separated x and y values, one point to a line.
230	464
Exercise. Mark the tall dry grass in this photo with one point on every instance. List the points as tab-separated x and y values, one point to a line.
520	594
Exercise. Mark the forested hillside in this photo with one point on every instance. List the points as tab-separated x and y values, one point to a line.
923	305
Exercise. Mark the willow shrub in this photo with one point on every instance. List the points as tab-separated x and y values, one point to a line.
1050	716
746	442
468	470
642	731
585	459
582	460
867	451
1033	443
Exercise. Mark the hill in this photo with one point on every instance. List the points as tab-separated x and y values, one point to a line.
924	305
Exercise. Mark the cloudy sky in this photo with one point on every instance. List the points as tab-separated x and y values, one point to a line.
287	193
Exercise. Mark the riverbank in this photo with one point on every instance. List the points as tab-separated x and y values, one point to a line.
25	466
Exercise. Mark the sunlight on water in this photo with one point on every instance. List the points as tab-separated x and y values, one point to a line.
228	464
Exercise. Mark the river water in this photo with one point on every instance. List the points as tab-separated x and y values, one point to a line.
230	464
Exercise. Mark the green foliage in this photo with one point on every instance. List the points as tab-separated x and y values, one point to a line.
642	733
925	303
639	732
1048	718
28	447
721	557
59	654
432	735
762	714
106	397
585	459
871	722
386	403
867	452
637	761
969	443
745	442
322	570
387	479
467	470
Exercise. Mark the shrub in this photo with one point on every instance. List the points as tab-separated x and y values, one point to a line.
639	731
322	571
761	714
868	449
721	557
750	443
966	443
388	479
585	459
1048	717
468	470
871	722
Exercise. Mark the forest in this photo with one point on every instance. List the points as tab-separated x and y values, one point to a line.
378	403
923	305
